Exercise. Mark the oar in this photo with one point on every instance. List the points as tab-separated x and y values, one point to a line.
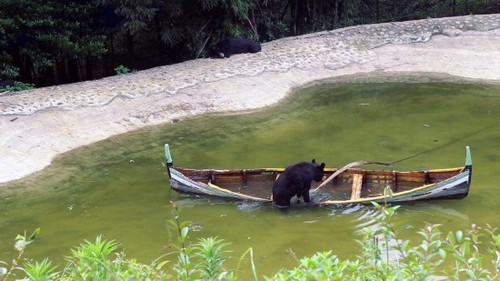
350	165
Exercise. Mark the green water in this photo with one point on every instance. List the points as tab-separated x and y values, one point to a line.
118	187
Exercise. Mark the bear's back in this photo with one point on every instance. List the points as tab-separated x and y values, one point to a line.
305	170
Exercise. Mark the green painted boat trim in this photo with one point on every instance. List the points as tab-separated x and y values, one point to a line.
450	183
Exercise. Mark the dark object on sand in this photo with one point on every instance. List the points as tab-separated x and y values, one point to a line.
230	46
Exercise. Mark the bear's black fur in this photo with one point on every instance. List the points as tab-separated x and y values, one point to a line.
230	46
296	180
6	83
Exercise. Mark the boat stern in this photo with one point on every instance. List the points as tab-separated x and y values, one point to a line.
168	160
468	168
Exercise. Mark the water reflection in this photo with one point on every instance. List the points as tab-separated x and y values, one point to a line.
250	206
99	190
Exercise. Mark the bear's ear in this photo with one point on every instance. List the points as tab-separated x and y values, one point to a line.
314	161
323	165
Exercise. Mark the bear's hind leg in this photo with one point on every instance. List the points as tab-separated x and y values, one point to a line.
305	194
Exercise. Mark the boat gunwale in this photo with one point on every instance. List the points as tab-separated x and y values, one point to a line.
329	170
394	196
456	190
462	172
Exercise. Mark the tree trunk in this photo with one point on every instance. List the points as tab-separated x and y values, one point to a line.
66	70
394	3
301	15
336	14
55	74
25	69
293	12
377	8
130	49
314	17
88	70
112	49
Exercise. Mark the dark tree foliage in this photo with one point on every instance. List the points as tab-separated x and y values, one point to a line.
48	41
59	41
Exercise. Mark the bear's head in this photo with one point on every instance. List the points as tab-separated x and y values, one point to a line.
255	47
318	172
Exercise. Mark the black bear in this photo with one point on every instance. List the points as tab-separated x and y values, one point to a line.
296	180
230	46
6	83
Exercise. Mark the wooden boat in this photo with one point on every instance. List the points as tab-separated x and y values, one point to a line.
350	186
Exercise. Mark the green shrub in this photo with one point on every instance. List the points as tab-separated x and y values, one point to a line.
40	271
384	256
461	255
18	86
119	70
22	241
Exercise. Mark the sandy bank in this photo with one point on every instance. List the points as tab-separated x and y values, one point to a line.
37	125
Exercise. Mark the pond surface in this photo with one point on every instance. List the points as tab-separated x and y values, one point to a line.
118	187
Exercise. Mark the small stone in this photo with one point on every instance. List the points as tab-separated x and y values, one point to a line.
452	32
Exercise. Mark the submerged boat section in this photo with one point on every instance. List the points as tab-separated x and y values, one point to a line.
352	186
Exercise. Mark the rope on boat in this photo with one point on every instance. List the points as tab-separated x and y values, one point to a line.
461	138
359	163
350	165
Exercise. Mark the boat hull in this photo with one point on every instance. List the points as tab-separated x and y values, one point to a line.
351	186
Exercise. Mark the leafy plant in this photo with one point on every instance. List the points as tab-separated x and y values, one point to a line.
18	86
184	266
386	257
22	241
91	260
212	256
460	255
40	271
203	260
119	70
7	71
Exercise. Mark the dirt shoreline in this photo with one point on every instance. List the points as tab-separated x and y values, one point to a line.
40	124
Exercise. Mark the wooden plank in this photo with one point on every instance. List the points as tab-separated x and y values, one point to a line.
357	183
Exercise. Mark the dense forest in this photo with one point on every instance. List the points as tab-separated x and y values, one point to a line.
61	41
